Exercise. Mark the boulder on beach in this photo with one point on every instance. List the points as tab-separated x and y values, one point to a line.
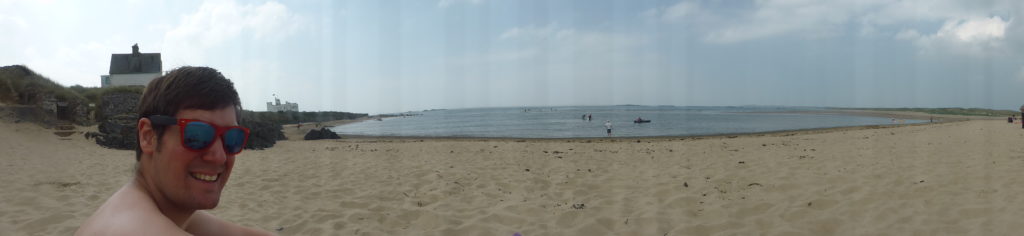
322	133
262	134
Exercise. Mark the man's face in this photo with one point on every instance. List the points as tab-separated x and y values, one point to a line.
179	173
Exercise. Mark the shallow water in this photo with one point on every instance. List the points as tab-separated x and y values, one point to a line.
567	122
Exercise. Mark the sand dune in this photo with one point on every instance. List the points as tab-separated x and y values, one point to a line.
958	178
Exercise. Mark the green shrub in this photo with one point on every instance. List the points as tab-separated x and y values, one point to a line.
20	85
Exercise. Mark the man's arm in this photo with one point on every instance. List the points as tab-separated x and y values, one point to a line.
203	223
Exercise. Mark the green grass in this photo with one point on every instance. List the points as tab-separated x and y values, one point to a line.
949	111
22	86
93	94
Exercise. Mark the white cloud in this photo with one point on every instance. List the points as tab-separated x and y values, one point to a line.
219	23
974	30
680	10
446	3
768	18
814	19
966	36
13	21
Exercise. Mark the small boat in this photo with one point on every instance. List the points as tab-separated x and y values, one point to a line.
641	121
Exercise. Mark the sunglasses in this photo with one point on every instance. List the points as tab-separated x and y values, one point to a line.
197	135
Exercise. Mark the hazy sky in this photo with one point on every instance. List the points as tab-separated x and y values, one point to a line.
391	56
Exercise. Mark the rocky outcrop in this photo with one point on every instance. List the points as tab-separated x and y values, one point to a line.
117	118
322	133
114	104
118	132
262	134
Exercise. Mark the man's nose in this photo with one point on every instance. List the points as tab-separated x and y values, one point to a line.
216	154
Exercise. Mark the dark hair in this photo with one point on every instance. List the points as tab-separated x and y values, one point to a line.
186	87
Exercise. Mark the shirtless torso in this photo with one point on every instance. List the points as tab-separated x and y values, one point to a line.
130	211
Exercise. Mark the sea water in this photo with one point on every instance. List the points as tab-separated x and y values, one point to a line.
568	122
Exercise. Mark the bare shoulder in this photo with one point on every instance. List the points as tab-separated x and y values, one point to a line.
204	223
128	213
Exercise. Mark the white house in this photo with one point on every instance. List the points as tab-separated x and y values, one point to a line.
132	69
277	106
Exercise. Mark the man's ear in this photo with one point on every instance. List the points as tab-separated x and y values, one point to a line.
147	136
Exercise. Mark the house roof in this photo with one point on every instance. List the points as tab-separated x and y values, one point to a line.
135	63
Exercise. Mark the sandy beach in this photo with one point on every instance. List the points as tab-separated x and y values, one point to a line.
957	178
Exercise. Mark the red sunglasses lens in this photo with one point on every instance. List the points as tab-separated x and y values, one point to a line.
200	135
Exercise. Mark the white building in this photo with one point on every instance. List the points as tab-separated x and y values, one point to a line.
132	69
277	106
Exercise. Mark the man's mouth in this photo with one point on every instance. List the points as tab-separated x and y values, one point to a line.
205	177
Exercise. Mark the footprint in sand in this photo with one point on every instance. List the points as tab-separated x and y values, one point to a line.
822	204
975	212
755	210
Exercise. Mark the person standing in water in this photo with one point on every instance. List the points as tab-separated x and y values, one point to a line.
608	126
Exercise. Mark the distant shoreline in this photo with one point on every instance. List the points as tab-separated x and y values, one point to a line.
938	119
888	114
293	132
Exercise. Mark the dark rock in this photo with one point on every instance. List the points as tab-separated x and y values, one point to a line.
91	135
118	132
114	104
118	119
322	133
262	134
